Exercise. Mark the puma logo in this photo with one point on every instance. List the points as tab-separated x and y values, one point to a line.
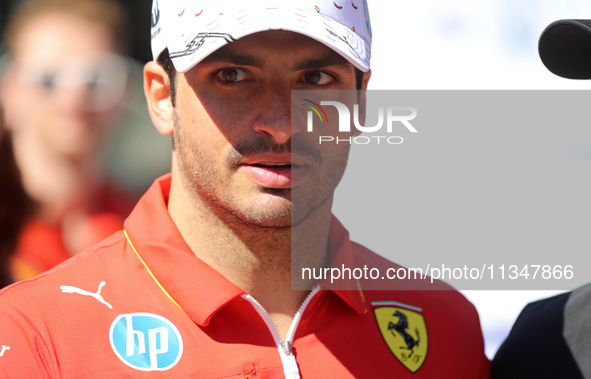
96	295
4	348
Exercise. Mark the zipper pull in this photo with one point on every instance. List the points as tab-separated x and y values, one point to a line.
286	345
290	366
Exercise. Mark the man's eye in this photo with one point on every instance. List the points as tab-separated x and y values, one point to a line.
318	78
232	75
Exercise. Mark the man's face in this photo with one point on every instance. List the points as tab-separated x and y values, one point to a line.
233	131
64	85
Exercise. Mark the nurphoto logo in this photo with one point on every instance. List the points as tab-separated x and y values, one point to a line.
392	117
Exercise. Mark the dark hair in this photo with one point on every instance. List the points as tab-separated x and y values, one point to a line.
15	206
166	63
358	78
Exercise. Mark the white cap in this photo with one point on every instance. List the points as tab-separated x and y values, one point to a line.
193	29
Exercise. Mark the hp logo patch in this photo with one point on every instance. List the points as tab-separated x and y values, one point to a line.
145	341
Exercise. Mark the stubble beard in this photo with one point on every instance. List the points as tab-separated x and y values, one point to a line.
280	209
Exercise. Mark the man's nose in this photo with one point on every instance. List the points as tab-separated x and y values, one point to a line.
274	118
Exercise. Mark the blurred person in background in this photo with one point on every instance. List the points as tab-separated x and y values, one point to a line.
15	205
61	92
551	338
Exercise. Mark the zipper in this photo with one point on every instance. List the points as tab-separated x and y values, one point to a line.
288	361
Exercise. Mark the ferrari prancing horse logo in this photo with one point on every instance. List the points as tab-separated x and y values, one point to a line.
404	331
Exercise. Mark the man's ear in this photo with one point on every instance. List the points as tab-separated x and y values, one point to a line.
362	99
157	91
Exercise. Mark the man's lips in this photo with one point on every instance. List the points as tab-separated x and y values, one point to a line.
275	159
274	172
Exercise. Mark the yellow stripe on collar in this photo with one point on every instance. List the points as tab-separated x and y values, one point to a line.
150	271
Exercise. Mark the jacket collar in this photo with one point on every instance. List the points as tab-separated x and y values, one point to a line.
197	288
194	286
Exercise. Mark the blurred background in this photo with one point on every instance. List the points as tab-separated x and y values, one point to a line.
77	146
425	44
137	154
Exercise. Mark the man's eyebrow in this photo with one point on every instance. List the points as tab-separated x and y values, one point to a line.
319	63
221	56
233	59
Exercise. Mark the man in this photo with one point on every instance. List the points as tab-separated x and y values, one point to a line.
61	92
551	338
198	283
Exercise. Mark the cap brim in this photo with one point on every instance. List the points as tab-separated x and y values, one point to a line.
190	49
565	48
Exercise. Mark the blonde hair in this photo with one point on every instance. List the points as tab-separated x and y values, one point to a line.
105	12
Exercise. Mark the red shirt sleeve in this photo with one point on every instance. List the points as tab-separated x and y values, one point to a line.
23	352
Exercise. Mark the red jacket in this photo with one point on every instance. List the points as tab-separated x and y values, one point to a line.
145	306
